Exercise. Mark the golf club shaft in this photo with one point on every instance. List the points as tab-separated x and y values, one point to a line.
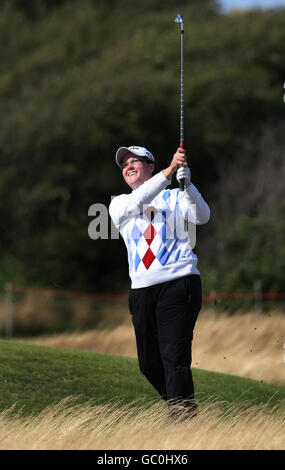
181	96
181	183
179	19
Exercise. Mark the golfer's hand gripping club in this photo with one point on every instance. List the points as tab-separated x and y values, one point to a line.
183	174
178	164
180	179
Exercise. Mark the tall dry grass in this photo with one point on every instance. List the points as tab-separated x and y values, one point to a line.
87	427
249	345
34	313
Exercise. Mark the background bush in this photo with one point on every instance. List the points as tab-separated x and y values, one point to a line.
79	79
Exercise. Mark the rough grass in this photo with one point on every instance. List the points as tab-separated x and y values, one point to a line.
67	426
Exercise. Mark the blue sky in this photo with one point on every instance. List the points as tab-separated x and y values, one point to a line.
229	4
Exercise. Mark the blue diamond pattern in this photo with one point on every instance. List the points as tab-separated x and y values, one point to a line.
130	252
166	195
136	234
163	214
163	256
162	233
177	256
137	261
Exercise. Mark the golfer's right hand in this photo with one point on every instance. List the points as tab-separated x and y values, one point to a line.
178	159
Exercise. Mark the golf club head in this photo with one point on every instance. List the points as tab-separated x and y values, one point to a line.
179	19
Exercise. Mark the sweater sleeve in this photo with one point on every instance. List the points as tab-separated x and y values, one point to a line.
193	207
126	206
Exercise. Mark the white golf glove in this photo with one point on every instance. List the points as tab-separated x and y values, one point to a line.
184	173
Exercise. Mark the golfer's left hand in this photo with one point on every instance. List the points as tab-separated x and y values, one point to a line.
183	173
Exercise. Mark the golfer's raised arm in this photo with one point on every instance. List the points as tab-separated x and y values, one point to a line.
193	207
123	207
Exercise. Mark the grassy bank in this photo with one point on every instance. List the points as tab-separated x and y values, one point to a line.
34	377
248	345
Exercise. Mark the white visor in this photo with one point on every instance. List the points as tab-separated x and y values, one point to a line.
139	151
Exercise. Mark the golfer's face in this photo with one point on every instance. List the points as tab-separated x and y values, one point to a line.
135	171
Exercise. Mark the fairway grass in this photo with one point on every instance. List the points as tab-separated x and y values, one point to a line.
34	377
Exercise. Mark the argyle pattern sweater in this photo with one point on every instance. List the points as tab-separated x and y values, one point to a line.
154	223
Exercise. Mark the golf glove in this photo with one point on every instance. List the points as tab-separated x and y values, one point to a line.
184	173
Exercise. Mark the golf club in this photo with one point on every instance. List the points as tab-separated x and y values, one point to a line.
179	19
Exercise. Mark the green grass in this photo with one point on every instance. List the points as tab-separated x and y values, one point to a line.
33	377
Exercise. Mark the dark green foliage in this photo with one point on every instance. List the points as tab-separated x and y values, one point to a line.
79	79
254	249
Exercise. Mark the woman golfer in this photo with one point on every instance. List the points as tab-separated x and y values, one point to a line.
165	296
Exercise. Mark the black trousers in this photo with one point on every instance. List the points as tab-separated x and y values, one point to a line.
164	316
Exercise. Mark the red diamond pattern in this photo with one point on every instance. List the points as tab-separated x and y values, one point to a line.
149	234
148	258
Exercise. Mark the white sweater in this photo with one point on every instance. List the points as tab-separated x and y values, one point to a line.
153	222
